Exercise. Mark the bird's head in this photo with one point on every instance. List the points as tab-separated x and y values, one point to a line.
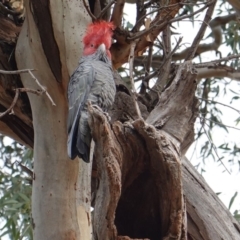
97	34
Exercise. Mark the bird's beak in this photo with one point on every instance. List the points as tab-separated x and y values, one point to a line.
102	48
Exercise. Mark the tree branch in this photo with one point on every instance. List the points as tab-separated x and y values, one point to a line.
43	88
200	34
167	116
108	155
89	11
36	80
215	63
219	71
117	13
18	90
16	71
125	38
104	10
10	109
131	59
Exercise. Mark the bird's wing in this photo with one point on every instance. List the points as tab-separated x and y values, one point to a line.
78	90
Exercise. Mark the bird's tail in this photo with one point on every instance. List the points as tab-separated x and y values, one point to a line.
83	150
84	137
72	142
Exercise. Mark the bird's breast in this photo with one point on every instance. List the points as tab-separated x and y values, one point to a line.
103	90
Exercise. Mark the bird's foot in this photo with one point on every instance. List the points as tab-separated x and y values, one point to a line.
105	113
97	107
107	116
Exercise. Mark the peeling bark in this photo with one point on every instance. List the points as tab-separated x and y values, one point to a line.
108	159
161	162
176	110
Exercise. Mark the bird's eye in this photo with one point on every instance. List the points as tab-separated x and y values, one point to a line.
92	45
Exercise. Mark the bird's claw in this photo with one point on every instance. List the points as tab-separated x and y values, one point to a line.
105	113
107	116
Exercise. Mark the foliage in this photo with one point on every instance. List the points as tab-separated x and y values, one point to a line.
236	213
15	190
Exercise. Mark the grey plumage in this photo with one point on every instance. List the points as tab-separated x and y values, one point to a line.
91	81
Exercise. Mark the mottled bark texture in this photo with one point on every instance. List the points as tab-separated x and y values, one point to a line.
142	187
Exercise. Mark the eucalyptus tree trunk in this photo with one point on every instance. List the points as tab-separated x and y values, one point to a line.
50	43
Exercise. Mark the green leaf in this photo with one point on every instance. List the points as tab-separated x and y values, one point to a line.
232	200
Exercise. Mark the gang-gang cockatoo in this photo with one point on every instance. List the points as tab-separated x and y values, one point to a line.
93	82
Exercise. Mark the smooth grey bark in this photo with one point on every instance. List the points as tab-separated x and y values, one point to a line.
57	209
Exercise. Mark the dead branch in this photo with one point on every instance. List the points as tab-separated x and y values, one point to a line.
141	15
161	24
155	157
204	70
16	71
89	11
215	25
17	91
104	10
163	77
177	19
162	73
117	13
32	75
144	85
164	115
131	59
200	34
10	109
167	15
41	86
37	92
108	154
159	70
145	38
216	62
218	71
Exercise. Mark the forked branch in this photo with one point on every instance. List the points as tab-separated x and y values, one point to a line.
18	90
43	89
